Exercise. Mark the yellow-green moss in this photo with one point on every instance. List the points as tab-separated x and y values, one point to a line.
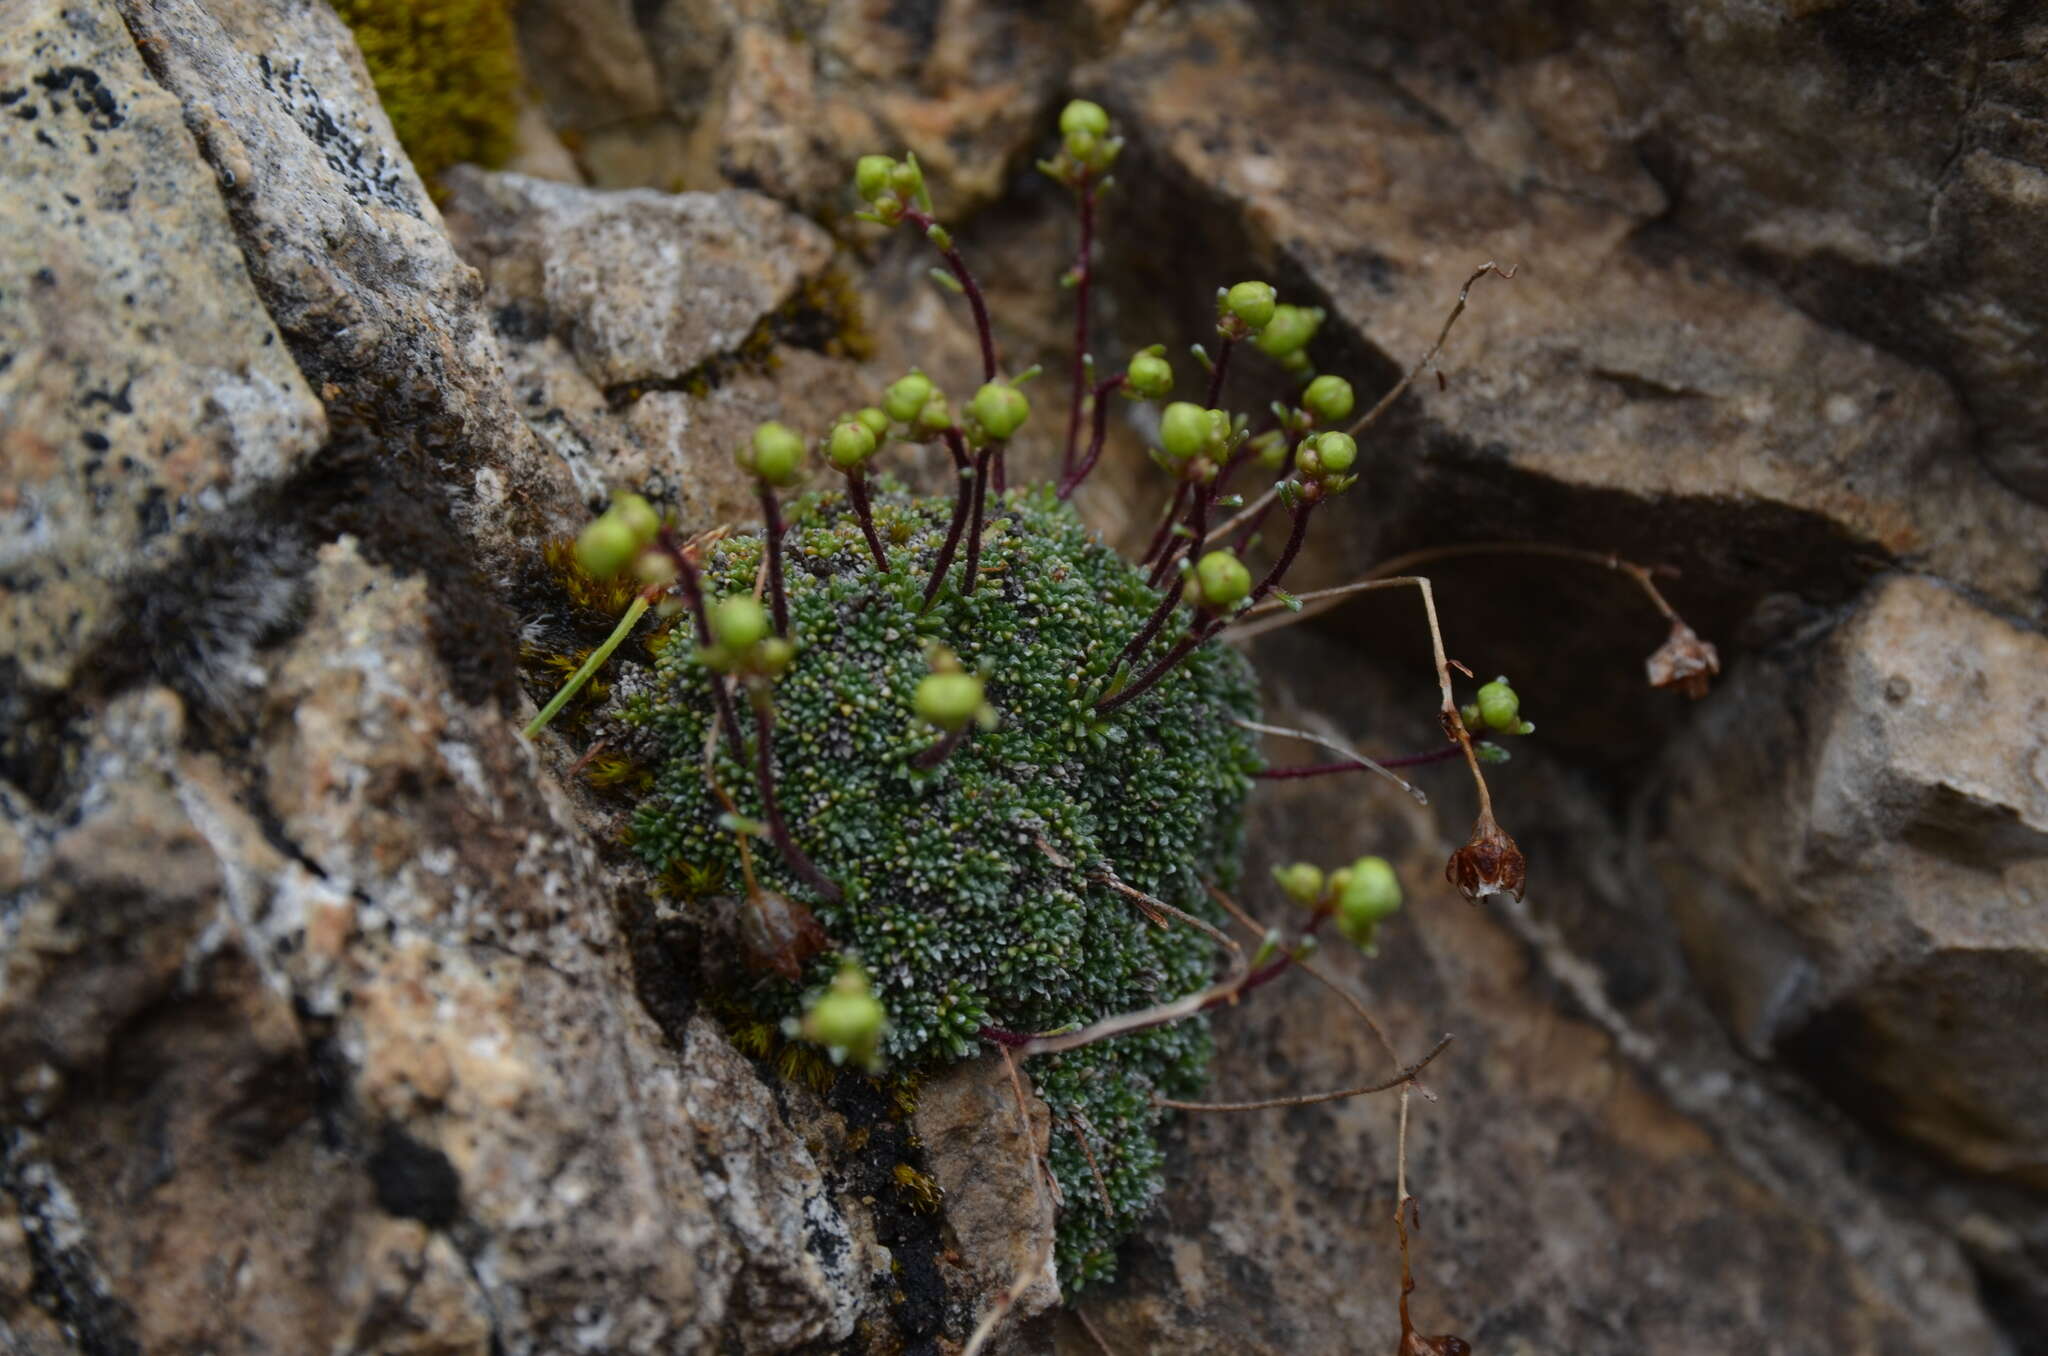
447	72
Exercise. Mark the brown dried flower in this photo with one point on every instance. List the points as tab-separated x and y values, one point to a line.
780	934
1684	661
1489	863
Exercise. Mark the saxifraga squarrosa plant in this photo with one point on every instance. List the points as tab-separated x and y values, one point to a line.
981	780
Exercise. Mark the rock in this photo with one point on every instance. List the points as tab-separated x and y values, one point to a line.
142	382
721	284
1783	448
1865	856
999	1207
393	1064
645	286
349	255
751	99
1590	1179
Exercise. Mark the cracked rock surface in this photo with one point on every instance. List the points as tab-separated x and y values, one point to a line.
332	1019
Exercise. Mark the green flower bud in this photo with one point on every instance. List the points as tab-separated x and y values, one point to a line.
871	175
876	420
851	443
1251	302
739	622
638	515
948	700
1184	430
654	567
775	455
847	1019
906	180
936	416
1328	398
906	397
1221	580
1000	409
1148	375
1372	891
1335	452
1500	707
773	655
1289	330
1301	882
606	546
1080	115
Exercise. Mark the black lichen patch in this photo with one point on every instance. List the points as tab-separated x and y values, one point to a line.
79	90
414	1180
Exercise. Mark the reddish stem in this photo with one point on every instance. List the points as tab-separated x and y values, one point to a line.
962	501
1083	275
940	750
1096	438
1216	372
1136	645
1287	555
771	522
1159	538
857	491
764	724
693	596
981	472
1161	667
951	254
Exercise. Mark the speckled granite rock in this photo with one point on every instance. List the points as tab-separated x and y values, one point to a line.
142	384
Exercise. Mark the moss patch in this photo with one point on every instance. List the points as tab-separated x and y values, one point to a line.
967	888
447	73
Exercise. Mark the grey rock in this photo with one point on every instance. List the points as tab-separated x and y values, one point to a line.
349	254
1590	1178
983	1146
143	386
395	1085
1710	414
645	286
1860	874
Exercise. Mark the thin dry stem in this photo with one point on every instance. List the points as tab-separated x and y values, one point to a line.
1338	746
1400	1079
1379	577
1095	1168
1371	416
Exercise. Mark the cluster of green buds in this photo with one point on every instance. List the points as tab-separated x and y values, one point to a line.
913	401
888	186
1496	709
619	538
847	1020
949	698
1245	310
1087	149
1322	468
742	642
854	438
1360	896
1148	376
997	411
774	455
1285	336
1195	443
1218	583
